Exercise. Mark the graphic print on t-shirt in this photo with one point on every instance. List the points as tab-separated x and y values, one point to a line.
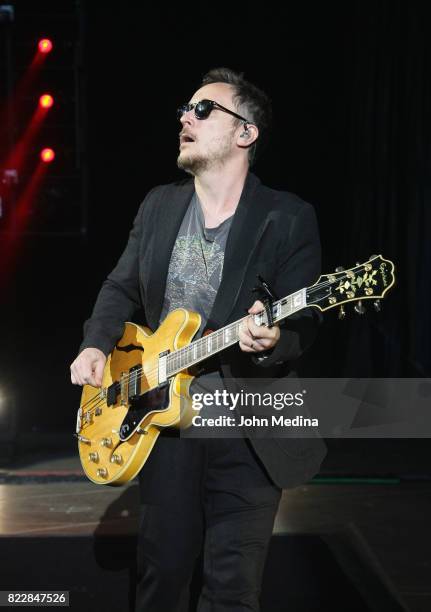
196	264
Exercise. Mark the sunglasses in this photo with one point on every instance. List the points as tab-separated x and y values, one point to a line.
204	108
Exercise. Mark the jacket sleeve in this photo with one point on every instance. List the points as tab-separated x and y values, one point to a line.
119	297
299	265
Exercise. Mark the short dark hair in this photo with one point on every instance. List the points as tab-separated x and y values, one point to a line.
253	103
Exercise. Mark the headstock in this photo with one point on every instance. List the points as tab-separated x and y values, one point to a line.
367	281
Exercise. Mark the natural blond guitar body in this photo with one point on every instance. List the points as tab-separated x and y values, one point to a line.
105	458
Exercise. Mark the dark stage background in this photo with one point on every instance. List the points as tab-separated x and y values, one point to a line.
351	92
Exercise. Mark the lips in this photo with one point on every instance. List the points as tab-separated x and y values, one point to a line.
185	138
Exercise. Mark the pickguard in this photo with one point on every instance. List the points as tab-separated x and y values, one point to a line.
153	400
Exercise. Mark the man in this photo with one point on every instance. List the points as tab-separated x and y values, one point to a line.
200	244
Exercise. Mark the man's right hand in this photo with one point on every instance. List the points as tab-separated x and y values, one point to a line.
87	369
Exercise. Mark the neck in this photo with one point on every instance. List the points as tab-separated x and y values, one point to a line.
219	191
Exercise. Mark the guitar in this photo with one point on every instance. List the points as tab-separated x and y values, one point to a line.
146	380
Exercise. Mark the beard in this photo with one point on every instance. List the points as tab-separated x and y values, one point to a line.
197	163
193	164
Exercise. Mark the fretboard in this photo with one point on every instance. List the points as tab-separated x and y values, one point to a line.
217	341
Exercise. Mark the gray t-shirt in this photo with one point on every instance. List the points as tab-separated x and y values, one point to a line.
194	276
196	265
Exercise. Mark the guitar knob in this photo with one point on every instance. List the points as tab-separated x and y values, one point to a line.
341	313
377	305
360	308
339	269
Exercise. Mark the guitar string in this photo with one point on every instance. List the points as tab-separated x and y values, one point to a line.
134	375
151	371
282	302
176	354
141	375
202	341
217	333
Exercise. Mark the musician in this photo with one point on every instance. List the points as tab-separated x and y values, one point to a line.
200	244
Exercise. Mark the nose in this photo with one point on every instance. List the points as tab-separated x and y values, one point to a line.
187	117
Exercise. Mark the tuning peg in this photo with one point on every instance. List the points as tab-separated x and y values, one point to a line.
377	305
360	308
339	269
341	313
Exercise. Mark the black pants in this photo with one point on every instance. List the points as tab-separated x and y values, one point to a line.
210	493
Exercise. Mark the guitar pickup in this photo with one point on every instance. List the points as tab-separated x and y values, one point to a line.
112	393
135	374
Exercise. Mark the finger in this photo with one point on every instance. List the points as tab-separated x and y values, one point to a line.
248	343
74	375
251	338
90	378
248	348
256	331
265	337
84	371
261	331
98	371
256	307
263	344
244	337
244	334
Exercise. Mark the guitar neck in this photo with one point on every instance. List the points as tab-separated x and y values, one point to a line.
368	281
217	341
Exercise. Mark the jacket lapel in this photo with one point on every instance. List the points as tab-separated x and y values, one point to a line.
248	226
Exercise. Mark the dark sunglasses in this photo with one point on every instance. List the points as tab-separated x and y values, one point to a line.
204	108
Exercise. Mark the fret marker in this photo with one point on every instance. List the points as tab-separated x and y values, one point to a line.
297	300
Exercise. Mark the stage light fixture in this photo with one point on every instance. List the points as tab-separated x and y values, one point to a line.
47	155
46	101
45	45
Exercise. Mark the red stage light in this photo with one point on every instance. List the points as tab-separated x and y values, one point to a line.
45	45
47	155
46	101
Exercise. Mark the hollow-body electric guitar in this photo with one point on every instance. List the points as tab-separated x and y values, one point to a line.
146	380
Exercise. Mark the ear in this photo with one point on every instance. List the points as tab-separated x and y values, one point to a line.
247	135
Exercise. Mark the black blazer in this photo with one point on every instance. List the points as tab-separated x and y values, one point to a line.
274	234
